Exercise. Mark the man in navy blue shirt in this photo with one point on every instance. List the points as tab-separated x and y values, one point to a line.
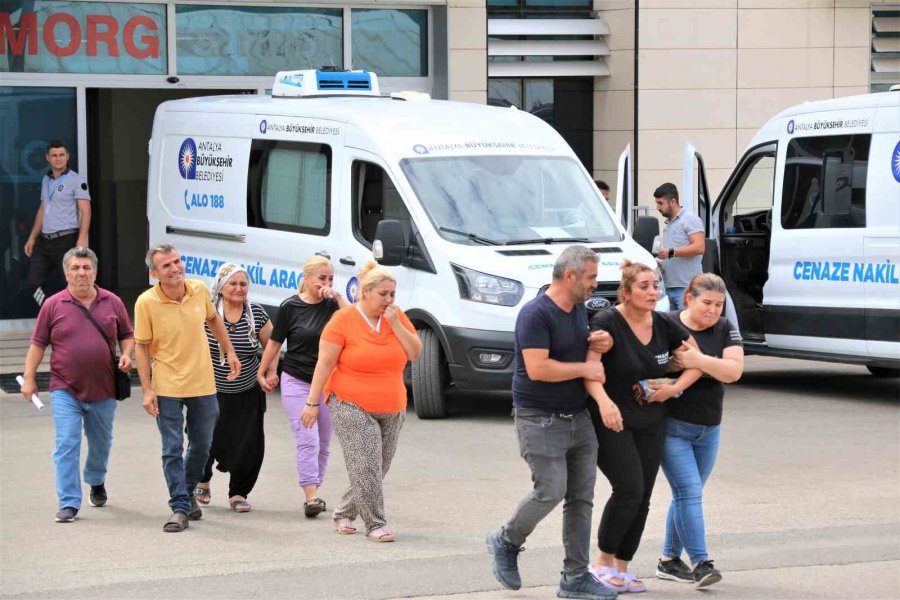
555	434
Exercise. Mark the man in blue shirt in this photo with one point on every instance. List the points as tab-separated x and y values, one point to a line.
62	220
555	434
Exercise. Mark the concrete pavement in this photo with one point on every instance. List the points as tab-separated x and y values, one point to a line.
804	503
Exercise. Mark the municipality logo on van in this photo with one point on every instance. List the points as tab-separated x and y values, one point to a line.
790	127
895	162
187	159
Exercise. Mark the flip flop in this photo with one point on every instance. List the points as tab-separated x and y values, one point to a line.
633	585
380	534
605	574
202	495
240	506
344	526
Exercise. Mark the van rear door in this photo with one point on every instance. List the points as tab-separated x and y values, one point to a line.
813	301
882	238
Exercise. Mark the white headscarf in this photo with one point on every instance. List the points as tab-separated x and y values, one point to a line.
225	272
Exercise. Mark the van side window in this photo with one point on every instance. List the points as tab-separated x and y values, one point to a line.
289	186
376	198
825	182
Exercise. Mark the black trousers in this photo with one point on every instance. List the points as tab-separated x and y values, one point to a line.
239	442
46	259
630	461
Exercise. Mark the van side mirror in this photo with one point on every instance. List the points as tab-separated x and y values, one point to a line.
389	246
645	229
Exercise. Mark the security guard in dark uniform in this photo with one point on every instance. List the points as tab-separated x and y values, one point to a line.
62	221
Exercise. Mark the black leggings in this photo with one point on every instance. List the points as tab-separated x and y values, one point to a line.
630	461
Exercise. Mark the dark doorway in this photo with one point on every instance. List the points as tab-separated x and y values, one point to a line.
119	123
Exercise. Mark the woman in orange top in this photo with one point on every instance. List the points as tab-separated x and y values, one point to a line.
362	354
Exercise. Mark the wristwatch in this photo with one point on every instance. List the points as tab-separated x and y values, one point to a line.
671	252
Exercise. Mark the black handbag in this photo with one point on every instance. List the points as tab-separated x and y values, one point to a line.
123	380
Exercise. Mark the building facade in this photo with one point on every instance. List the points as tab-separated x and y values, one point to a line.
606	74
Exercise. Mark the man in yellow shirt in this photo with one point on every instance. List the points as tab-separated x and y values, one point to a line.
169	319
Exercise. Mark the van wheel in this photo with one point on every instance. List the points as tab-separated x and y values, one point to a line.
884	371
429	378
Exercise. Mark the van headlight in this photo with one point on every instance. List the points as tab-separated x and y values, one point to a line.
662	285
490	289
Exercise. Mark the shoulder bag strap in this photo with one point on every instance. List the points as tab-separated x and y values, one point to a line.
99	330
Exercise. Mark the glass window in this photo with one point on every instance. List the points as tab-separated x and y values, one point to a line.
29	118
389	42
255	40
289	186
539	98
82	37
471	195
376	198
505	92
825	182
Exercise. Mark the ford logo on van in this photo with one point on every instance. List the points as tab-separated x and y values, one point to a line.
597	303
187	159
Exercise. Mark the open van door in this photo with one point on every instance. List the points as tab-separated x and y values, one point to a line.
625	191
694	189
695	198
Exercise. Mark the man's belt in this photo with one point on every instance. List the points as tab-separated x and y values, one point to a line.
537	412
58	234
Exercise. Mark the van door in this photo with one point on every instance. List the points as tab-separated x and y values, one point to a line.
373	196
741	226
625	191
694	189
882	242
810	298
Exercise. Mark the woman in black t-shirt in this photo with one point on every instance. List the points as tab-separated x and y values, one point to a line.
630	424
692	429
300	321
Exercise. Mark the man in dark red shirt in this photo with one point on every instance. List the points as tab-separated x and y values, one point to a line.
82	379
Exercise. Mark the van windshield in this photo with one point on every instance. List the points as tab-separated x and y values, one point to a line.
510	199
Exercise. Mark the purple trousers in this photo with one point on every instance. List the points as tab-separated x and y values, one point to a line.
313	444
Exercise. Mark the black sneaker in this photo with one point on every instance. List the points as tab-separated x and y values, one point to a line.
706	574
196	514
98	495
66	514
674	570
584	586
504	561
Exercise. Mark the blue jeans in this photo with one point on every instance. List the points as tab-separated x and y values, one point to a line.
562	456
676	297
70	415
184	472
688	458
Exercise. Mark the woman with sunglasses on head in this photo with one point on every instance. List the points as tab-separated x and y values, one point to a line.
300	321
629	416
692	427
238	443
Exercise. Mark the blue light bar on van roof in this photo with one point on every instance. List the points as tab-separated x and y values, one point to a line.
292	84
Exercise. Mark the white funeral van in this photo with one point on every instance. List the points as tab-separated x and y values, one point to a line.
470	204
806	232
